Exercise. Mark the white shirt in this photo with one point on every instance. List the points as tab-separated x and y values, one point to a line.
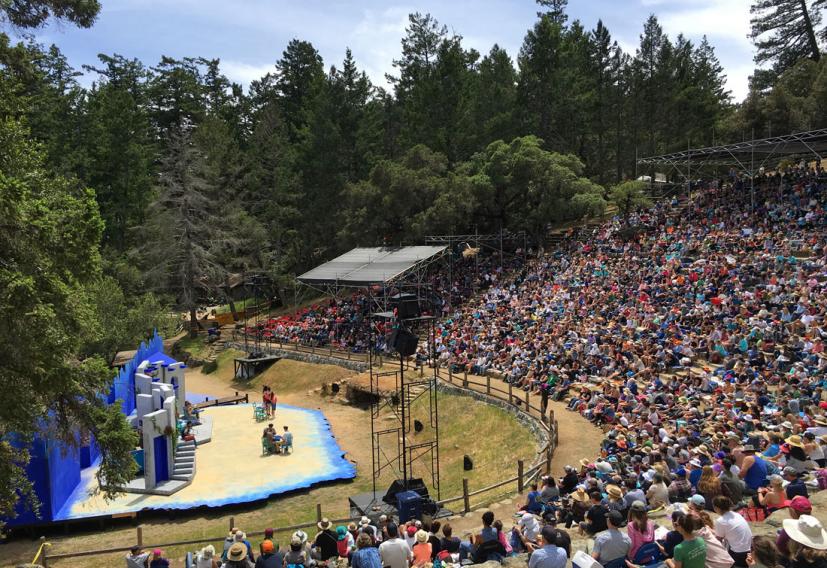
734	529
395	553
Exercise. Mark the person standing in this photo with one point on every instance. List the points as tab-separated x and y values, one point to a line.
395	552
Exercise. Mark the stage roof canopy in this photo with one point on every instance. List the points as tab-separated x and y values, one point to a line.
811	144
366	266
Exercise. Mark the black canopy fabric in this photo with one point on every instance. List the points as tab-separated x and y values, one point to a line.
366	266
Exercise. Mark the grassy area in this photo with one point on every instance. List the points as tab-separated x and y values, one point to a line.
288	376
196	346
495	444
239	305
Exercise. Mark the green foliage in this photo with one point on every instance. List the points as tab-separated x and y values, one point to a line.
35	13
629	196
786	31
49	237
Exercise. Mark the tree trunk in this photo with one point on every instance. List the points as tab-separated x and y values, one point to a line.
811	35
193	323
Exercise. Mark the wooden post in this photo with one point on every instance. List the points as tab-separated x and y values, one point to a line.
520	476
510	394
139	536
232	523
318	512
548	460
247	397
527	407
488	385
465	499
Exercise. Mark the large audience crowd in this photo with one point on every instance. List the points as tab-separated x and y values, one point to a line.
692	334
342	322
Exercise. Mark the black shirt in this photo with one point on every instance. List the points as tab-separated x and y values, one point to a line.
436	545
563	540
326	543
451	544
596	516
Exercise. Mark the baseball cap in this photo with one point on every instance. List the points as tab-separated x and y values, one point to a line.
801	504
616	518
698	500
411	530
549	534
268	533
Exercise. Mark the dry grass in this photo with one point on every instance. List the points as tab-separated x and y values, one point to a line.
492	437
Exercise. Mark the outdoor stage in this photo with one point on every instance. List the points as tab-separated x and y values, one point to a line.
231	468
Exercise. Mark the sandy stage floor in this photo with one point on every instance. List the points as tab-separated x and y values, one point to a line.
231	468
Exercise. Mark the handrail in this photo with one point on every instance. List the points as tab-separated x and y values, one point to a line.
41	549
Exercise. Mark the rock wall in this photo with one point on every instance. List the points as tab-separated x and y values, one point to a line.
540	434
318	358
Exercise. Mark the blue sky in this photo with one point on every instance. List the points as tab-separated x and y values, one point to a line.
250	35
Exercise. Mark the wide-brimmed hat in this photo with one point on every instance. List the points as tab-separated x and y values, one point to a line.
364	521
301	535
237	552
746	448
795	441
614	491
421	536
324	524
580	494
806	530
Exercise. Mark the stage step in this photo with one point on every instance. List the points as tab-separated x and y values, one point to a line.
184	466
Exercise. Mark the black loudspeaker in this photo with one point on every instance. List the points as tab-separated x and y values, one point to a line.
414	484
403	342
406	305
467	463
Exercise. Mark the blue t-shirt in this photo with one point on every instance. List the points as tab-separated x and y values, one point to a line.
695	477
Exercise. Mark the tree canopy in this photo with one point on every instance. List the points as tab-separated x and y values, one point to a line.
129	196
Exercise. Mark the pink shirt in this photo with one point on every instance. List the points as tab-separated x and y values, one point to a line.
639	538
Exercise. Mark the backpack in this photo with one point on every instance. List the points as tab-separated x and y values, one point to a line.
342	548
821	478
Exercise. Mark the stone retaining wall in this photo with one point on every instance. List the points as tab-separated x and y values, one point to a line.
538	431
318	358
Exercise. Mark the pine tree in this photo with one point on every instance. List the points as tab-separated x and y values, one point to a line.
494	99
183	231
299	79
785	31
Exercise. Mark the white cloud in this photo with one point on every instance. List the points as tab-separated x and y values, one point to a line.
245	73
375	41
726	25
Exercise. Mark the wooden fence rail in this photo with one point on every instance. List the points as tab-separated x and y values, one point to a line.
542	462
